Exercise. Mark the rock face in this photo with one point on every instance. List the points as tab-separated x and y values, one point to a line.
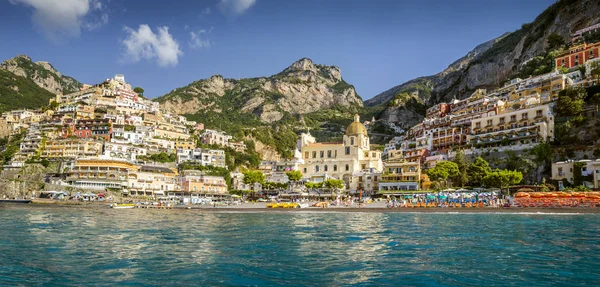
301	88
494	62
41	73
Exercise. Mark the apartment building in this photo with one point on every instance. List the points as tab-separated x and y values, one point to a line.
196	182
526	126
214	157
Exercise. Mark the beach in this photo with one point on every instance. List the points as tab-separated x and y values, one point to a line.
374	207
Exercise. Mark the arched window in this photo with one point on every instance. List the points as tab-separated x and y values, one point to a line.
317	168
352	141
325	169
347	167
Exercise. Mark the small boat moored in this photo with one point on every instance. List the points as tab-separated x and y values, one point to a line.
122	205
23	201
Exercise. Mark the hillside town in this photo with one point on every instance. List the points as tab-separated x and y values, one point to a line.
108	140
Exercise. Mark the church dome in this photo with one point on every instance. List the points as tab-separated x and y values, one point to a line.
356	128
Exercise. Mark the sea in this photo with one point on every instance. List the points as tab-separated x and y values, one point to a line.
74	246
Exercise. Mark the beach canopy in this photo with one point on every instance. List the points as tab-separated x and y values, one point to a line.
449	189
462	190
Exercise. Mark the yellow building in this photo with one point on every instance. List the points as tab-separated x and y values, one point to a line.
171	134
185	144
152	181
547	86
100	173
519	127
70	148
338	160
400	174
196	182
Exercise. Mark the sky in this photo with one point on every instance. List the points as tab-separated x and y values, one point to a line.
163	45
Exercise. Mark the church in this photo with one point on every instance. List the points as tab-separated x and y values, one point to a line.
338	160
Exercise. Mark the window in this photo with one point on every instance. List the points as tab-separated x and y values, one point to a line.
325	169
373	155
363	166
317	168
502	120
477	125
352	141
305	170
334	167
328	153
322	154
305	154
524	116
347	150
538	113
314	154
513	118
347	167
489	122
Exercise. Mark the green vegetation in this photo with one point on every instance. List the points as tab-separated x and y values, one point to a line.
10	146
341	87
477	171
32	69
443	171
570	101
463	165
17	92
139	90
254	176
503	178
161	157
294	175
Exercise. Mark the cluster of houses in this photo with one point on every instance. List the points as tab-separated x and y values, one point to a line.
103	136
516	117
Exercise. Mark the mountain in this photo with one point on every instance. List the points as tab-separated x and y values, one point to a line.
42	74
302	88
490	64
271	110
17	92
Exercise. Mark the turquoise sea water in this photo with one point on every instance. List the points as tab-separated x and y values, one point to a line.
41	246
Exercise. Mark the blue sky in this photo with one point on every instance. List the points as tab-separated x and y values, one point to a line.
162	45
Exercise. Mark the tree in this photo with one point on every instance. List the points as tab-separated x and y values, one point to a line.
139	90
503	178
463	165
542	156
555	41
478	170
570	101
254	176
442	171
294	175
334	184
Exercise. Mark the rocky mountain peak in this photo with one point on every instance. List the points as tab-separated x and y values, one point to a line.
304	64
42	73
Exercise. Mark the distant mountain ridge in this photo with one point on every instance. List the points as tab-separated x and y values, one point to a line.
28	84
42	73
301	88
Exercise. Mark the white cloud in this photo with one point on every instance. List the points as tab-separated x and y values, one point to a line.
199	39
144	44
62	19
206	11
235	7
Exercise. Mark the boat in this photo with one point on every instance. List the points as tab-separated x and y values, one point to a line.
122	205
25	201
